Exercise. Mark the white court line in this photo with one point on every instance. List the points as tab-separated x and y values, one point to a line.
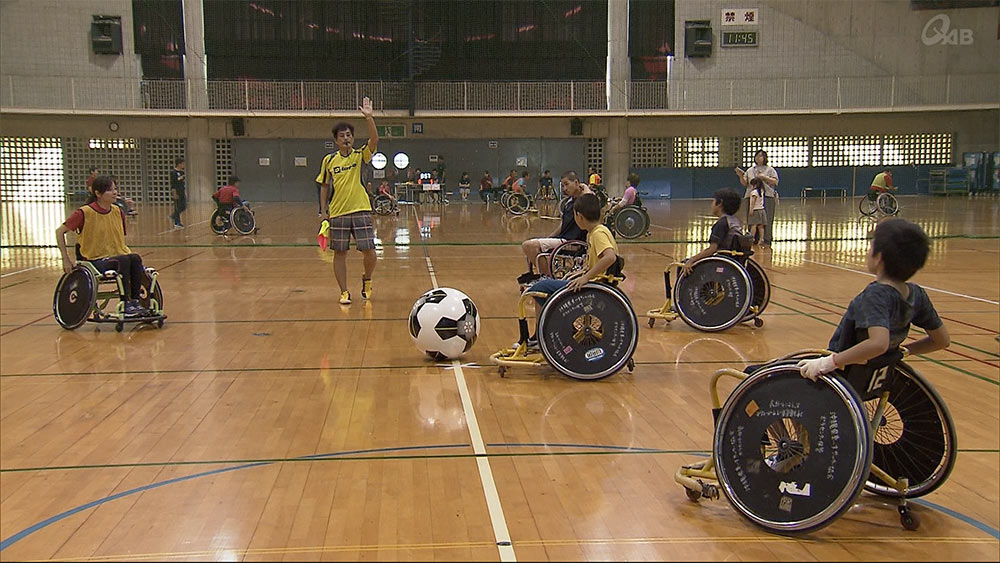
923	286
22	271
497	518
184	227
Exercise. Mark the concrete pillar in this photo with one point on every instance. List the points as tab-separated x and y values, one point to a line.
200	161
618	69
617	155
195	62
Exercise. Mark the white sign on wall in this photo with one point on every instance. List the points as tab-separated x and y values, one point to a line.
740	16
378	173
301	161
262	161
521	161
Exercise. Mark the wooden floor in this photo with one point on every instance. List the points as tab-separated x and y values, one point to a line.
267	422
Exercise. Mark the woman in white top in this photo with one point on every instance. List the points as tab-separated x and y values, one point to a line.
770	178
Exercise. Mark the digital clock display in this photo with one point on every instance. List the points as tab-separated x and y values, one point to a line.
739	38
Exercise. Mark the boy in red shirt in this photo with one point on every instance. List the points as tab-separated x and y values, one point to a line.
228	196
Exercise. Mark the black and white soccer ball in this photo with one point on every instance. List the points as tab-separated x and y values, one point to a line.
444	323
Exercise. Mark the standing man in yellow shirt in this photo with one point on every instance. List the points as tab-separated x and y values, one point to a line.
350	210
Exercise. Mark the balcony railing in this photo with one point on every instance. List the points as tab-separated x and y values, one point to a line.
251	96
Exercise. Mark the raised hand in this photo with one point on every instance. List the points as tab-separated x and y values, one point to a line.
366	106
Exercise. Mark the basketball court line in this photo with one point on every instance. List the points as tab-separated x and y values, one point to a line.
923	286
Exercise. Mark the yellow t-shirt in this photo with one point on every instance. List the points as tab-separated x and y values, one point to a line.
594	180
349	196
882	180
103	234
599	239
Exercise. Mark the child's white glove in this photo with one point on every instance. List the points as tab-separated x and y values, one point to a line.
811	369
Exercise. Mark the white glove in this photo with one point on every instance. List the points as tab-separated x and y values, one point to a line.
811	369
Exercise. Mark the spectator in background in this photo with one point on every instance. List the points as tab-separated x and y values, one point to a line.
463	186
545	189
594	179
440	170
769	176
178	191
486	185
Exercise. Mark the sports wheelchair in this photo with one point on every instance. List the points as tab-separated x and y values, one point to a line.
586	334
720	292
631	221
239	217
84	293
877	201
384	204
791	455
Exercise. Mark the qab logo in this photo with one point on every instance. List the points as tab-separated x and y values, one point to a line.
938	31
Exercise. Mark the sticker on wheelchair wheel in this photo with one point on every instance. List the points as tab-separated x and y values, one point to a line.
594	354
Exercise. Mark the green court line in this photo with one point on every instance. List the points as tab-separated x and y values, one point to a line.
932	360
486	243
336	457
839	306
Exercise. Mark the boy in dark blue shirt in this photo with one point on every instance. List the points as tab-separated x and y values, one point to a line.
725	204
879	318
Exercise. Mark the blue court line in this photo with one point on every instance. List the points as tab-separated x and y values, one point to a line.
63	515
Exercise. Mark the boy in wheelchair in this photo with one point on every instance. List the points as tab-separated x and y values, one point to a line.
100	228
879	318
602	253
228	196
726	233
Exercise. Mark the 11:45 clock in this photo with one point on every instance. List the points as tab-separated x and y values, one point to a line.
739	38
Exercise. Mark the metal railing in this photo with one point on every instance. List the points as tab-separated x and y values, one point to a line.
250	96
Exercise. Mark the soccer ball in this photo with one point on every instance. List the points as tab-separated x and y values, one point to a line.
444	323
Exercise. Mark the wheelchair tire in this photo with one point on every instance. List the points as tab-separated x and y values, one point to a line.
75	298
567	258
631	222
715	295
383	205
791	454
867	206
588	334
518	204
602	195
887	204
916	437
219	223
761	288
145	299
243	220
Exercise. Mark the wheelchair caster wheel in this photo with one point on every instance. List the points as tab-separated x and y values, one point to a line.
758	322
652	322
630	365
710	492
119	327
693	496
159	323
908	519
502	370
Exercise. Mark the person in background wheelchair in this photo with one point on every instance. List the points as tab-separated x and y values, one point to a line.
635	222
232	211
568	230
879	318
228	196
383	202
100	228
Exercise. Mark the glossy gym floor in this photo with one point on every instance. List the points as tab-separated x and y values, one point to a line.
265	421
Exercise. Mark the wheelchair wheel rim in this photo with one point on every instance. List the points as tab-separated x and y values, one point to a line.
243	220
588	334
631	222
219	223
787	464
761	287
887	204
147	300
715	295
567	258
75	298
866	206
915	438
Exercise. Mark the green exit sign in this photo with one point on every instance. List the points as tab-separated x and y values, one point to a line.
386	131
739	38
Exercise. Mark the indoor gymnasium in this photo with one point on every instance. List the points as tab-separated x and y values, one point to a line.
499	280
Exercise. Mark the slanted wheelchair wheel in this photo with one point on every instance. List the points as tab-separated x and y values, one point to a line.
915	438
518	204
383	204
243	220
145	299
219	222
567	258
791	455
887	204
588	334
631	222
602	195
867	206
75	297
715	295
761	287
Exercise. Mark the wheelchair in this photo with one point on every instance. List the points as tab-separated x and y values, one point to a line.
239	217
719	292
878	202
791	455
587	334
630	222
383	204
84	293
563	260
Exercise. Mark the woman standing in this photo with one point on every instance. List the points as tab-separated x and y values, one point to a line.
769	176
